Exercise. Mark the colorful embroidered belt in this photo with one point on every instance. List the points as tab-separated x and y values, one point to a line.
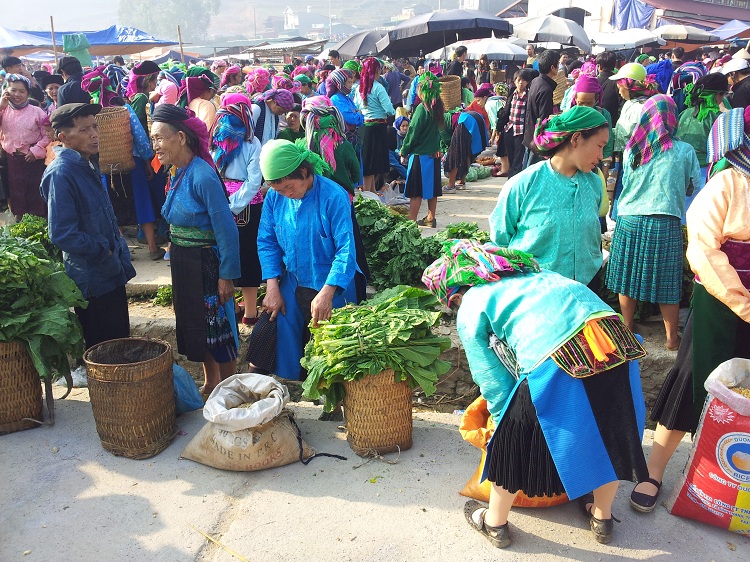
602	344
191	236
375	122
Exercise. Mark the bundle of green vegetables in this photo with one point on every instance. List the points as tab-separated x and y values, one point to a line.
396	251
390	331
34	228
36	296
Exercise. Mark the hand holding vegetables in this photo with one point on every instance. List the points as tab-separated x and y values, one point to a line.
322	305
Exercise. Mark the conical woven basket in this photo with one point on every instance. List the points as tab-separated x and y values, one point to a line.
378	414
131	388
20	389
450	91
115	140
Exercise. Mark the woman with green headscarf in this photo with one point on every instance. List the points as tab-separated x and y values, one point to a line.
306	248
705	102
551	209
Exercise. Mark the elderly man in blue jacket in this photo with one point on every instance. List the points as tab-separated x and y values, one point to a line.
83	225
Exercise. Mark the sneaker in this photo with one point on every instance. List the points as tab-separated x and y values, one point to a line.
449	190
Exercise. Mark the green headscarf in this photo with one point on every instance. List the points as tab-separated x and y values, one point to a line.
429	88
552	132
353	65
202	70
279	158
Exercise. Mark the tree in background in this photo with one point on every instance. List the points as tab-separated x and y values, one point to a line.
161	19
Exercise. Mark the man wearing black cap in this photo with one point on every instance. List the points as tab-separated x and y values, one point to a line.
71	91
14	65
82	224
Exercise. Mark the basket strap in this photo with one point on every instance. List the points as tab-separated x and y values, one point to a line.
299	442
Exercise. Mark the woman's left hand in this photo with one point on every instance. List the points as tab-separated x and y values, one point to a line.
29	157
226	290
322	305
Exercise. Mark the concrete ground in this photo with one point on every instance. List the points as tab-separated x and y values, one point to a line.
65	498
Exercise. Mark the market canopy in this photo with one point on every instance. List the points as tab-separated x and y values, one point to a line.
360	44
552	28
731	29
21	43
497	49
114	40
685	34
431	31
627	39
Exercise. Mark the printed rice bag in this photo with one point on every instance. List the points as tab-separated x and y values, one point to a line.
715	485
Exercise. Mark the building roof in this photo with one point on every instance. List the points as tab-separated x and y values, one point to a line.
696	8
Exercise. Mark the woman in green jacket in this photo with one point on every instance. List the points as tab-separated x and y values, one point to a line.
421	149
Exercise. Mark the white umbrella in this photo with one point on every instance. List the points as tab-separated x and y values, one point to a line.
553	28
497	49
685	34
626	39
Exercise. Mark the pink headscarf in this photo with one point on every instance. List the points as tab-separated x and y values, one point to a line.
234	69
586	85
231	99
324	127
257	80
96	80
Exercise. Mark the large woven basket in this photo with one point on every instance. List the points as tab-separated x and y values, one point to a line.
378	414
497	76
115	140
131	387
450	91
20	389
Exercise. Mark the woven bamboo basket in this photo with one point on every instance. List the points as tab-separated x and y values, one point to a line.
131	388
20	389
378	414
450	91
115	140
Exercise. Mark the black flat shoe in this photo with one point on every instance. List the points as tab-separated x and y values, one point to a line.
600	528
645	503
498	536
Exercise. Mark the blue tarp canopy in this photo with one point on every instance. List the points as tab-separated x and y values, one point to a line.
115	40
732	29
20	42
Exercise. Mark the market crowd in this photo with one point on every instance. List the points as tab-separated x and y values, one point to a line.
244	175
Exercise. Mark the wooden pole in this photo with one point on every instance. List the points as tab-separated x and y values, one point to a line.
179	38
54	41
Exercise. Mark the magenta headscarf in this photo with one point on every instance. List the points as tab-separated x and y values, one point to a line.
257	80
232	99
194	86
587	85
97	81
234	69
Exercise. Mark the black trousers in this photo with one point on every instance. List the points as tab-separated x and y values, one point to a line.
105	318
515	151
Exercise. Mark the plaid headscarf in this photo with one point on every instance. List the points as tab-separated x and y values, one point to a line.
257	80
283	98
283	81
324	127
729	140
233	124
17	78
429	88
336	82
688	73
655	131
469	263
552	132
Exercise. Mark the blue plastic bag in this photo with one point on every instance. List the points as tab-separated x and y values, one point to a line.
186	395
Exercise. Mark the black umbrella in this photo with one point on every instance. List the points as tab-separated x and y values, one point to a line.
425	33
359	45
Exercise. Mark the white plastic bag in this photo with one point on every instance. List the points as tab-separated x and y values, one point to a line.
267	396
728	375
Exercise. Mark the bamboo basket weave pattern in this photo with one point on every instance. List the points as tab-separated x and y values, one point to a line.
131	388
115	140
450	91
20	389
378	414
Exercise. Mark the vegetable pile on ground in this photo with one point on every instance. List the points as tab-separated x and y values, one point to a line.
34	228
396	251
35	301
390	331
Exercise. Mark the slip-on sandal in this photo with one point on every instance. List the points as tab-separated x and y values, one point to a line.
645	503
498	536
600	528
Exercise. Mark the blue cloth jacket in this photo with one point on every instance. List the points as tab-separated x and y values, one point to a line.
83	225
312	237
